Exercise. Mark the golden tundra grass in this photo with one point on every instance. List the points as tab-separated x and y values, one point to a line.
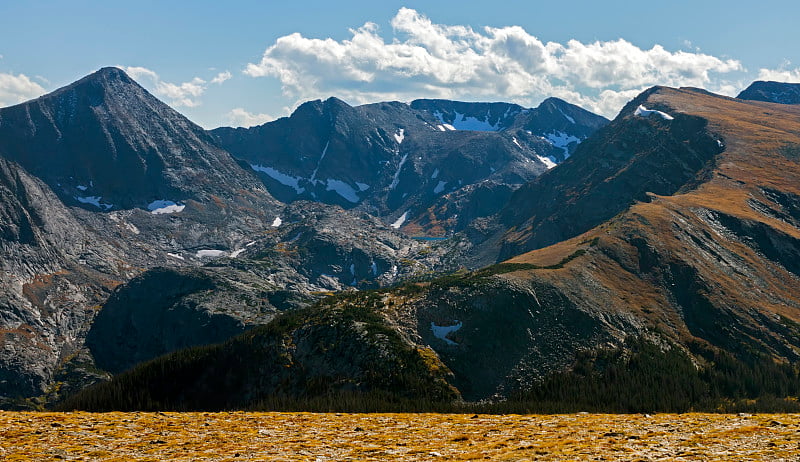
237	436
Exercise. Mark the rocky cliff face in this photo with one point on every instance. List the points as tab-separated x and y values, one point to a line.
772	92
55	272
315	250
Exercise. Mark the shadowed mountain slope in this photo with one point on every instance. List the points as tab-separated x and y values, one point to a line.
772	92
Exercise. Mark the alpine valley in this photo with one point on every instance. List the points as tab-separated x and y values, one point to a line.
427	255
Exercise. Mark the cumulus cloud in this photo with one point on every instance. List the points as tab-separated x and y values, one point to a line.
238	117
17	88
424	59
221	77
780	74
186	94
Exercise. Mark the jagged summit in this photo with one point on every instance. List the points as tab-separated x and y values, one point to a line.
772	92
105	143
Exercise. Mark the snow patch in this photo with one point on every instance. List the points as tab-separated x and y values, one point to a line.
399	222
94	200
236	253
211	253
282	178
562	140
175	255
374	268
570	119
441	332
642	111
396	178
275	223
168	209
547	162
132	228
161	207
462	122
399	136
514	139
324	151
343	189
439	187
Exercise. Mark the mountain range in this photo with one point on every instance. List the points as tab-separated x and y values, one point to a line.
434	251
396	160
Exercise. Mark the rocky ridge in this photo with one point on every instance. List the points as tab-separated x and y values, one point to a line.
772	92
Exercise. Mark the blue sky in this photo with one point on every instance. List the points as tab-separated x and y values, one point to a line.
207	58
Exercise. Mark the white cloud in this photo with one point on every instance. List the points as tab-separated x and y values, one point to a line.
424	59
17	88
780	75
221	77
238	117
186	94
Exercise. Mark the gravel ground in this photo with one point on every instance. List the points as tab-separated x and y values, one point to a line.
336	437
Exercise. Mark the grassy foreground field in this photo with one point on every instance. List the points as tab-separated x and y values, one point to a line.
328	437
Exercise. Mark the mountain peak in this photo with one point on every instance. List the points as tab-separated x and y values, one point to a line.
334	101
104	142
772	92
553	101
110	71
101	80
